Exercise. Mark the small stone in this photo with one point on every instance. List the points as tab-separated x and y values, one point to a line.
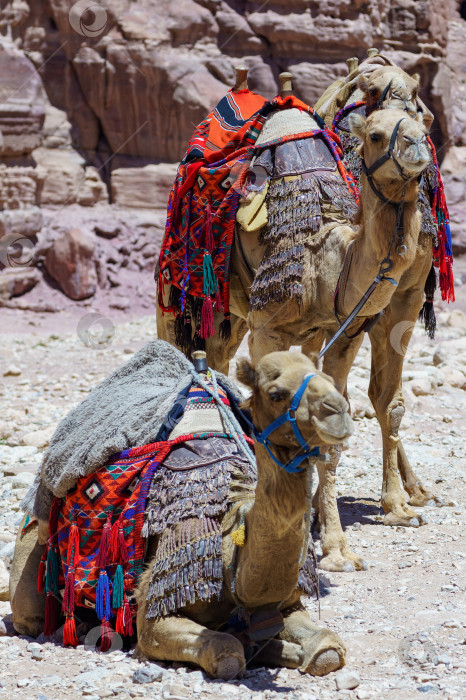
452	624
149	674
12	371
4	583
175	691
23	480
444	659
23	682
347	680
427	688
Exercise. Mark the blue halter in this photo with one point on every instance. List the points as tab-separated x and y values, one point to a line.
288	417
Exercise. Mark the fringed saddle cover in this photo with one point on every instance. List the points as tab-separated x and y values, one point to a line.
188	498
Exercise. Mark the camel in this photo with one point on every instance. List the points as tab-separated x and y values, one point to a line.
265	565
312	321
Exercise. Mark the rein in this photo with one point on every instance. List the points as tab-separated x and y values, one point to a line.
288	417
397	239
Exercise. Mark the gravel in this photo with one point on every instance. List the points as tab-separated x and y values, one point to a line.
403	620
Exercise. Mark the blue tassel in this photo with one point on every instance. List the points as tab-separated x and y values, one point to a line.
102	603
118	588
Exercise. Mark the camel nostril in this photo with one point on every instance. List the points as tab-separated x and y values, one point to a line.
335	406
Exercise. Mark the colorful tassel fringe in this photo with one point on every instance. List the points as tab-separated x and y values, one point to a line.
210	286
106	636
70	638
207	328
102	603
102	557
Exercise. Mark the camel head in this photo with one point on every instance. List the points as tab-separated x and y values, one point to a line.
323	413
389	87
411	148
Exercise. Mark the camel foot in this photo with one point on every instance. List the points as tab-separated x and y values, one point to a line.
342	561
223	657
402	519
420	496
228	667
326	662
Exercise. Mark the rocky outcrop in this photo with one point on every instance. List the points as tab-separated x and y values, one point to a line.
98	105
70	261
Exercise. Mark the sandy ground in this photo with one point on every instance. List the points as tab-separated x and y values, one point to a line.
403	620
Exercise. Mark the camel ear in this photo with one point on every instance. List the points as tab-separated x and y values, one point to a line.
245	372
357	125
417	78
363	82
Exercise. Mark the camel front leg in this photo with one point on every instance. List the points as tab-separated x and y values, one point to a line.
389	339
266	335
336	554
28	606
220	351
419	495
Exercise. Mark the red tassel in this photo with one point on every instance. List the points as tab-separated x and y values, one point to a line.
106	638
102	557
127	618
208	233
120	624
70	638
207	328
68	597
72	554
51	615
118	551
41	573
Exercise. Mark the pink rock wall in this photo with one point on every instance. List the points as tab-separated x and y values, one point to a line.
98	106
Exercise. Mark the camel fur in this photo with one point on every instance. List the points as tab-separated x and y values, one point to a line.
280	326
267	565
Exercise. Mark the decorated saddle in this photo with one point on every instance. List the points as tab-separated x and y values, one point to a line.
203	203
431	204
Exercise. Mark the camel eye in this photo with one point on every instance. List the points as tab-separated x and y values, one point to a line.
373	91
375	137
278	394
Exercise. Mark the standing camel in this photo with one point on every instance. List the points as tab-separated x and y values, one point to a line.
308	318
260	572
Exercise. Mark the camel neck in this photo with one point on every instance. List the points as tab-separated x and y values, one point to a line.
378	222
268	565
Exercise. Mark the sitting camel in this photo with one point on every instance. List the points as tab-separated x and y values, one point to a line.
261	568
333	253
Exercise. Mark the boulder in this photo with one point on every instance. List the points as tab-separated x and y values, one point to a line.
62	176
17	281
25	222
145	188
70	262
18	187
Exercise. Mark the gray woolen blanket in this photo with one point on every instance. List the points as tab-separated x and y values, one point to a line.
126	410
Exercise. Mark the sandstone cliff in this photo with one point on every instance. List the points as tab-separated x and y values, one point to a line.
98	101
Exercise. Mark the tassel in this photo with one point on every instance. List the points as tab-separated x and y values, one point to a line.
51	615
427	316
118	588
102	603
207	327
51	577
239	536
225	328
208	233
106	636
210	286
118	551
68	597
69	632
127	617
53	519
102	556
120	624
41	575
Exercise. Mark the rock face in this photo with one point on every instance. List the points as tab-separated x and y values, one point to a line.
97	107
